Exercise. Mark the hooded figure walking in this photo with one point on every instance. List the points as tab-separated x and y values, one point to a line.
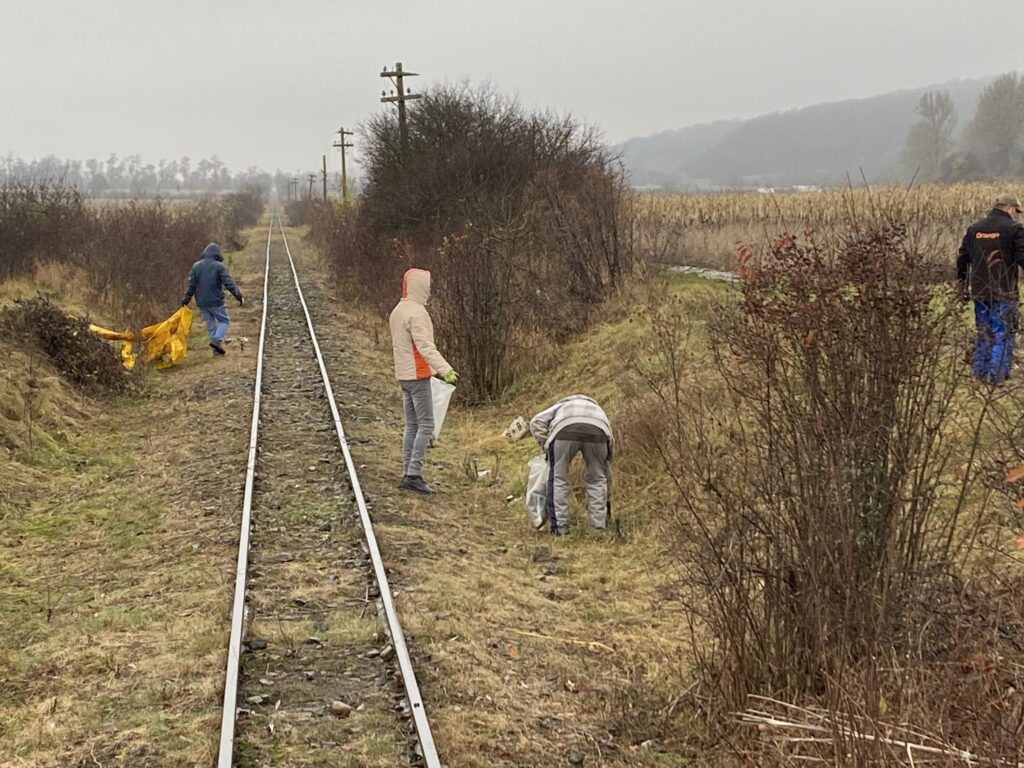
207	282
416	360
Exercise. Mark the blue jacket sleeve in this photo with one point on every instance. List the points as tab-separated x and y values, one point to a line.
190	287
227	282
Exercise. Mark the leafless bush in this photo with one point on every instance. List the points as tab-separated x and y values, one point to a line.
134	256
831	472
79	356
521	218
40	221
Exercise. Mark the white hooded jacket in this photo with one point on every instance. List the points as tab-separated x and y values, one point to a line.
412	332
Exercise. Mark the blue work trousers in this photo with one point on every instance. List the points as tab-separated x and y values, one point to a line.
996	322
216	319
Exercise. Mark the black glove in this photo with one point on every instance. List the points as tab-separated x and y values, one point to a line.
241	300
184	303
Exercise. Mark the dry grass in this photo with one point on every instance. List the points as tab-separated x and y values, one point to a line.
117	551
116	556
532	649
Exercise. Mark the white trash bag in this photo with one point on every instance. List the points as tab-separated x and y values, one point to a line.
537	492
441	394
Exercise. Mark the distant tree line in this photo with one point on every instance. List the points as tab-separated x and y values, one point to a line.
128	176
992	143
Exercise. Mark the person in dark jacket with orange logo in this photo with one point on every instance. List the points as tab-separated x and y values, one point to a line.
990	255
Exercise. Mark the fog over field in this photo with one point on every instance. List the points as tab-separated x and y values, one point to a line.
260	83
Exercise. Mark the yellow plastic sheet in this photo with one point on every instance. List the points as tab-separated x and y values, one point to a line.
127	349
163	344
166	343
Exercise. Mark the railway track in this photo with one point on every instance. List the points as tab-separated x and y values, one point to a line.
318	671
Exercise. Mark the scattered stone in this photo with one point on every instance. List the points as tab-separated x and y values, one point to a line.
313	640
541	555
326	526
256	644
575	759
257	699
501	550
340	709
300	601
266	681
373	653
550	569
310	674
284	557
387	653
650	746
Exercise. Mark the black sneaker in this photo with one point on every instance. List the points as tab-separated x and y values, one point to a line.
217	348
416	483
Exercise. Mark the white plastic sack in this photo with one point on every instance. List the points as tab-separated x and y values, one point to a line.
537	491
441	394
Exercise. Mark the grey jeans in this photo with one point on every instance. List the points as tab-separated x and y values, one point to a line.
594	447
419	424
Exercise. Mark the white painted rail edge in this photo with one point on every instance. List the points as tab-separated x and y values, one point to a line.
228	715
423	732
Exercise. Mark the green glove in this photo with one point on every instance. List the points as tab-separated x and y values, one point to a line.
451	377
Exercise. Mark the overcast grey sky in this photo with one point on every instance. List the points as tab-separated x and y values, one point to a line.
265	83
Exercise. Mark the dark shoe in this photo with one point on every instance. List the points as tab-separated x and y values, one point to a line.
217	348
405	479
416	483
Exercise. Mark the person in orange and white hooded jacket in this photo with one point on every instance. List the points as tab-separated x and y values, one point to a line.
416	360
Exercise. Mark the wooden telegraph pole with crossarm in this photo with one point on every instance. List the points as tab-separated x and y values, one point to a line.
342	143
403	95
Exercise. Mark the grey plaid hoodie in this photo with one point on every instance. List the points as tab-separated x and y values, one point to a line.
575	409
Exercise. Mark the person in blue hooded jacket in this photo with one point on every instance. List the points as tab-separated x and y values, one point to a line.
207	282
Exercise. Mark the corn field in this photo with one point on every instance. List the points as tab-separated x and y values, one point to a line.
705	229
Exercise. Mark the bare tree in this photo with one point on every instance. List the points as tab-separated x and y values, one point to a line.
931	138
996	132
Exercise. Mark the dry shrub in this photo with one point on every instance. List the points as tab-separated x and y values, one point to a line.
135	256
829	468
79	355
519	216
40	221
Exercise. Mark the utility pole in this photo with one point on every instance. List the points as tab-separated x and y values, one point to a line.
312	178
402	96
342	143
295	186
325	177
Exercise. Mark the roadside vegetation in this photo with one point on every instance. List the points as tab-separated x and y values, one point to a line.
814	556
827	499
523	216
126	261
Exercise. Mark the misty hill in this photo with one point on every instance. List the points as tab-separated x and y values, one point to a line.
819	144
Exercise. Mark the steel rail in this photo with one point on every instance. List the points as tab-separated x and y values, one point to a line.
228	715
423	732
